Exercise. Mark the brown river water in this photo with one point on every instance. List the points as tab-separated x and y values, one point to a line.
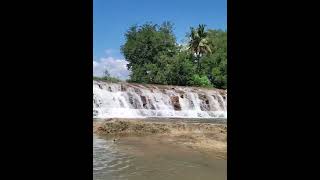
150	158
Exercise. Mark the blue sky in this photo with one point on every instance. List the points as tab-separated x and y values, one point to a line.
112	18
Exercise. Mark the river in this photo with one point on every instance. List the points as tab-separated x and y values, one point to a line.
150	158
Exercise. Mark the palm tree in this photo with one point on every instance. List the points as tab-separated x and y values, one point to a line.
198	43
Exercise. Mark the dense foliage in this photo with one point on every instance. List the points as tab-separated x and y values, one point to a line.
155	57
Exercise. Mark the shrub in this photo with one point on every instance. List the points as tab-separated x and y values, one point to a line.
202	81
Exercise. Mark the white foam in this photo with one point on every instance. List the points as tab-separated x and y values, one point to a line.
125	101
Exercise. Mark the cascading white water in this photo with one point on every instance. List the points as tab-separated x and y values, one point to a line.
128	100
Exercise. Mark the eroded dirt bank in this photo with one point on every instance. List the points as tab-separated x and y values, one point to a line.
204	136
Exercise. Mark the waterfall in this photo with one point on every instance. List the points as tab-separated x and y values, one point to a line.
130	100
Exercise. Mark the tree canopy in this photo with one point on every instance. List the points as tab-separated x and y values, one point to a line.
155	57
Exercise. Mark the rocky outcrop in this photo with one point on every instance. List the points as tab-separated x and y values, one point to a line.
134	101
205	104
123	88
175	102
144	101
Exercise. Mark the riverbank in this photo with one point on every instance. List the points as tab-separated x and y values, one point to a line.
204	135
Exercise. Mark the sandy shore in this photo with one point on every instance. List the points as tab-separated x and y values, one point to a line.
208	136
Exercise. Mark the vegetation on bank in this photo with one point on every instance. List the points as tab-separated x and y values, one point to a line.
107	78
155	57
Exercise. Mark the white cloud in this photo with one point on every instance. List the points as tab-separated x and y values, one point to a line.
116	67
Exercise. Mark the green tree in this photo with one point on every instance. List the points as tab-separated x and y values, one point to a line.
154	56
180	70
198	43
214	65
146	48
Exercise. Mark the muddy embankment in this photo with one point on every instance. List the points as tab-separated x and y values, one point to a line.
204	136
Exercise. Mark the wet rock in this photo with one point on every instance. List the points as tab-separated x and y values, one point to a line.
130	99
202	96
205	105
137	90
135	102
144	101
95	113
151	105
176	103
207	101
96	102
123	88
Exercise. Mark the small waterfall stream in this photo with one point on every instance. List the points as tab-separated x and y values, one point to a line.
130	100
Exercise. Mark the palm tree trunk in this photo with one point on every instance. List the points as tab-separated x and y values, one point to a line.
199	64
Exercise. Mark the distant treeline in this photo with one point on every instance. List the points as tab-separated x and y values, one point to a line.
155	57
107	79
